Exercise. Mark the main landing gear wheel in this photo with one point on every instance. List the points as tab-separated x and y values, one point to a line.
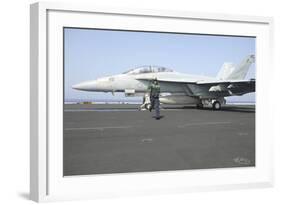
216	105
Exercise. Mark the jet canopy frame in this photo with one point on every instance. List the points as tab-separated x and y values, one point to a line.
148	69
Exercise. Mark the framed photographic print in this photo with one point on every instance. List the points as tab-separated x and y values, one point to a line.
128	102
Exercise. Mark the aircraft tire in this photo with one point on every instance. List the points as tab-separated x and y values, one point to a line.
216	105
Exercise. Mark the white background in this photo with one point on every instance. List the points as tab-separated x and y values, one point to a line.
14	103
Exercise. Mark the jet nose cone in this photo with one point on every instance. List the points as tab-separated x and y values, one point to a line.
86	86
77	86
82	86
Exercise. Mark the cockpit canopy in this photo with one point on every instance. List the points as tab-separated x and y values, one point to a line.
147	69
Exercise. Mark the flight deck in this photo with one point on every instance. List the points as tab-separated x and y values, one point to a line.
118	138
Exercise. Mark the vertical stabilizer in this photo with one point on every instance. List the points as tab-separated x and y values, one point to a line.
225	71
241	70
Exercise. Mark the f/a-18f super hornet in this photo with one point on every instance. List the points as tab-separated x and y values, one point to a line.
179	88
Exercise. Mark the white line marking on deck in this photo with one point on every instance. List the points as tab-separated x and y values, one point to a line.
118	110
202	123
103	110
98	128
147	140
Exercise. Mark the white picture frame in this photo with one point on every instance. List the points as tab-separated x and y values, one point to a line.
46	180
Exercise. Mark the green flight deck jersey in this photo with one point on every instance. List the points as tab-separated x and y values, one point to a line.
154	90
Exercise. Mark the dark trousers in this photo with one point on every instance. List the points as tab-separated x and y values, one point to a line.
155	104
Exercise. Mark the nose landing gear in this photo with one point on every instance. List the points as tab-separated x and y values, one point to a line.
146	104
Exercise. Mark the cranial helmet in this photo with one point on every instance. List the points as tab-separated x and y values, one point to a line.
155	81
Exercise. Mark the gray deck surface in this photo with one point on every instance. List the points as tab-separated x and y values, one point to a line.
101	139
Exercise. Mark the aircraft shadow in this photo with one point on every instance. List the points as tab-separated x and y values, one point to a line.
234	109
223	109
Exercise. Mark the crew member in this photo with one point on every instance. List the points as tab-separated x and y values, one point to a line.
154	91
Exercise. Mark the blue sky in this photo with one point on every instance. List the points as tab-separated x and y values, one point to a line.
91	53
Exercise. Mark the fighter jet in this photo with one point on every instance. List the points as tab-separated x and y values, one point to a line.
178	88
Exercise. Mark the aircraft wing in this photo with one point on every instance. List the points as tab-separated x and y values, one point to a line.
202	82
234	87
216	82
